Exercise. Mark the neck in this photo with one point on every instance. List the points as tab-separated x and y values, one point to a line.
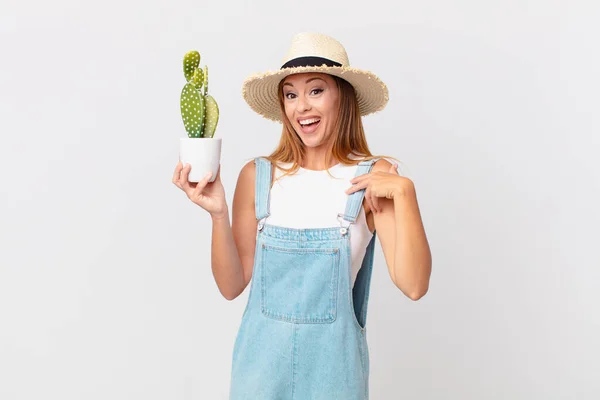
317	161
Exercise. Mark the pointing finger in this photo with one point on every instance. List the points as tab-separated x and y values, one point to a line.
356	187
358	178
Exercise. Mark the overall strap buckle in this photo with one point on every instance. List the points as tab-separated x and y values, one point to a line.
343	227
261	223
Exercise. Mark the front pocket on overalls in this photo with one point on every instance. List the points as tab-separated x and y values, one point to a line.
300	285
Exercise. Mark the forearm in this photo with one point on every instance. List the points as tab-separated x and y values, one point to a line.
226	265
412	256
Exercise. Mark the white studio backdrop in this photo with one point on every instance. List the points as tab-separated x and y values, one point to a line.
106	290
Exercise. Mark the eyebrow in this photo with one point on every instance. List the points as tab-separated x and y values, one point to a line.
307	81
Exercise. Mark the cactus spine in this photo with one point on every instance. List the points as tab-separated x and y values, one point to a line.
199	110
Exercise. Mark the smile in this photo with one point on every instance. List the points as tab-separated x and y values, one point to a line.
309	125
309	121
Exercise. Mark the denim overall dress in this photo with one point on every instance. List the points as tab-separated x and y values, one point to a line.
302	334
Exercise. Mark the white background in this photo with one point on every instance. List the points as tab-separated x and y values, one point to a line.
106	290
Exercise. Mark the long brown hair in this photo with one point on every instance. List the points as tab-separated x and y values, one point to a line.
348	137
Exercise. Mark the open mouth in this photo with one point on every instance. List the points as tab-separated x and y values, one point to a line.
309	125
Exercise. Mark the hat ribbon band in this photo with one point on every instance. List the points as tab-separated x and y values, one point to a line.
310	62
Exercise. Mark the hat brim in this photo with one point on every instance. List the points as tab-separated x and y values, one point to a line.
260	90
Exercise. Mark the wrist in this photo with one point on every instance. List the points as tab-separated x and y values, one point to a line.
216	217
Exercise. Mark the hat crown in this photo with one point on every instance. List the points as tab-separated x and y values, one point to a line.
308	44
313	52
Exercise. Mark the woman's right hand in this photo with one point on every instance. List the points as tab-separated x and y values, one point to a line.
209	196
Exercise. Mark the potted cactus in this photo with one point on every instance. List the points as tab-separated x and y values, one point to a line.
200	114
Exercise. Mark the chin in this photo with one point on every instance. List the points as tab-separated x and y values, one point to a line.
311	145
312	140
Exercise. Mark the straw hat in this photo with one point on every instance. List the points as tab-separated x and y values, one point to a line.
313	52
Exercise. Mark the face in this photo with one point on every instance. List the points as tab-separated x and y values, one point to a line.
311	104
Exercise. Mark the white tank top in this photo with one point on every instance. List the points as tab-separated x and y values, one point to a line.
313	199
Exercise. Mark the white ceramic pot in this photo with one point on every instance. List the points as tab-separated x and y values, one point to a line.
204	155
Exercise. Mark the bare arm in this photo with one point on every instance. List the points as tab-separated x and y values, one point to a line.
403	238
401	233
232	249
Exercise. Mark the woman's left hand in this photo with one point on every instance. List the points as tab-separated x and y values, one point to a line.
380	184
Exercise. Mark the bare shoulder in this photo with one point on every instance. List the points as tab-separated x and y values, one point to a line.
244	190
248	169
381	165
248	172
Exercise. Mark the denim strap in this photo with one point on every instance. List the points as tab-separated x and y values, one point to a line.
355	199
262	187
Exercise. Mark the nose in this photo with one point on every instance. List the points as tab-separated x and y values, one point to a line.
302	104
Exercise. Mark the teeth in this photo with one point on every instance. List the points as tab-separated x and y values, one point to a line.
309	121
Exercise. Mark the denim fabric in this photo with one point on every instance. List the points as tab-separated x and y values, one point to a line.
303	331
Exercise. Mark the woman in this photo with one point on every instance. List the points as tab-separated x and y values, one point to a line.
303	331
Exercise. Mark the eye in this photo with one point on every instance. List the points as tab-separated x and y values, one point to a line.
287	95
317	90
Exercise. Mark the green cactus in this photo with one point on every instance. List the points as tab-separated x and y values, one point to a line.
192	110
199	110
198	78
211	116
206	80
191	61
